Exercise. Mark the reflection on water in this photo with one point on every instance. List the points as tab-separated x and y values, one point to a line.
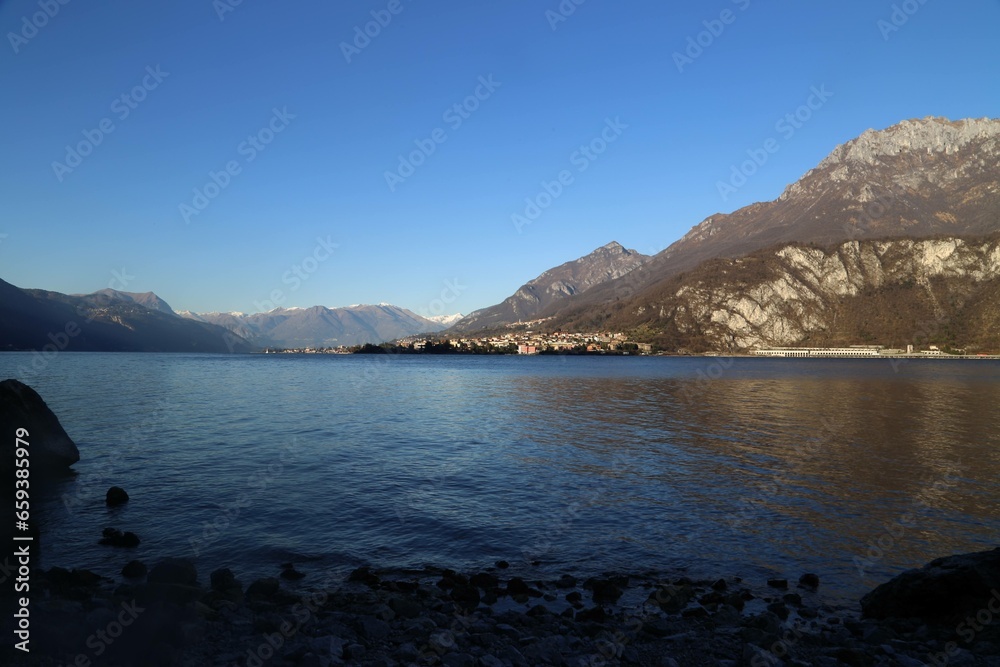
844	467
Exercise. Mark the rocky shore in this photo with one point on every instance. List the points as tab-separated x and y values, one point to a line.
171	615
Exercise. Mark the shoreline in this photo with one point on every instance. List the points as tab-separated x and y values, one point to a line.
174	615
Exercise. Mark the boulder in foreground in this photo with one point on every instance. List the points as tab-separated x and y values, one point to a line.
939	592
49	445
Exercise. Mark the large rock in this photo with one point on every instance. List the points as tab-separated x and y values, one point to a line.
939	592
49	445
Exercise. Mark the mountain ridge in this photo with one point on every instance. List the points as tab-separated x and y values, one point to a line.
319	326
916	179
605	263
33	319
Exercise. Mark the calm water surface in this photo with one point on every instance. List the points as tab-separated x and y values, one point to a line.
852	469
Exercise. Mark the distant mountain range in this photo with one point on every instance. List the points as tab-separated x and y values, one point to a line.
109	320
325	327
920	179
32	319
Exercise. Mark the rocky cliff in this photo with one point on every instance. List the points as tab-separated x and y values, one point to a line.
892	292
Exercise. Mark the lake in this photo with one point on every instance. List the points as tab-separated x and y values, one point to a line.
853	469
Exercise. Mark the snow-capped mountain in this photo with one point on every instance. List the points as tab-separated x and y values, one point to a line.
319	326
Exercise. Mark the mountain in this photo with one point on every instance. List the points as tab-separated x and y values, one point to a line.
146	299
32	319
555	285
895	292
445	320
918	179
322	327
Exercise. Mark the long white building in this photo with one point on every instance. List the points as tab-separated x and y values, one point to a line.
852	351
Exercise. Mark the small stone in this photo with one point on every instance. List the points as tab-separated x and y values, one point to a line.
778	609
517	586
289	572
405	607
755	655
538	610
595	615
365	575
767	621
116	496
735	601
223	579
134	569
658	626
354	652
502	564
673	598
809	580
566	581
792	598
407	652
372	628
458	660
177	571
605	591
484	580
713	598
263	588
466	597
116	538
719	585
777	583
851	656
508	631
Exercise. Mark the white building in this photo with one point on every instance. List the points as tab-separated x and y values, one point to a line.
852	351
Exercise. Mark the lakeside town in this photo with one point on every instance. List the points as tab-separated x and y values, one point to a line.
612	343
514	342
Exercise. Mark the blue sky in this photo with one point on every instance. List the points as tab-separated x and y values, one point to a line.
301	131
